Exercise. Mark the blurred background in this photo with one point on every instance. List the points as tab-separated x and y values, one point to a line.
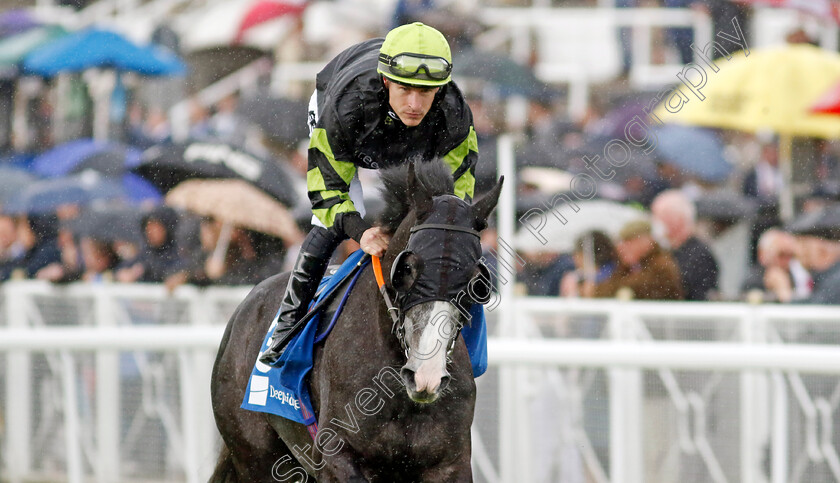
152	170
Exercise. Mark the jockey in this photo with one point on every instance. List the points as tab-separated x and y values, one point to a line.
378	104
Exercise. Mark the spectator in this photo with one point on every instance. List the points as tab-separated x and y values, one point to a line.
543	271
681	37
9	247
595	261
38	235
779	272
99	259
819	251
249	257
646	269
69	267
764	180
675	215
226	124
160	261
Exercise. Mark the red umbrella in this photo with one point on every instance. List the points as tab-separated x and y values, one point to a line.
828	103
819	8
265	10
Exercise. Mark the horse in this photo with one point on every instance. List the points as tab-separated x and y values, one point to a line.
394	399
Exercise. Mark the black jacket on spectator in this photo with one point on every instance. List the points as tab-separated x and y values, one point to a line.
826	287
44	252
159	262
545	280
698	269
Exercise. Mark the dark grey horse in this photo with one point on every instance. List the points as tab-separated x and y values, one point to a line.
392	405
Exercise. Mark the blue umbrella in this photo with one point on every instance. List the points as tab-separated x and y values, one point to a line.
140	191
45	196
108	158
16	21
100	48
695	151
13	181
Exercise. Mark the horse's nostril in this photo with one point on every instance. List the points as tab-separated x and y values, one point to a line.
408	378
444	382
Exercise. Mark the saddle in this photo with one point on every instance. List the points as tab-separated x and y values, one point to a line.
283	390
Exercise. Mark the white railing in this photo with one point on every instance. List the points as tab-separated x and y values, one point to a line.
771	373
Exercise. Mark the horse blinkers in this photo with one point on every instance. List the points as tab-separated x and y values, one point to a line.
405	271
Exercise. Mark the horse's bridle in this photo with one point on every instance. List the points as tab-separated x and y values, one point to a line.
395	311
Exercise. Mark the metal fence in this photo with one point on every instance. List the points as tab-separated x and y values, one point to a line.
111	383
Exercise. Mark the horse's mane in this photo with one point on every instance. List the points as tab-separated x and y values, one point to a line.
434	177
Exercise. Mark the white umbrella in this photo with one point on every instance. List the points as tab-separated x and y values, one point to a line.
606	216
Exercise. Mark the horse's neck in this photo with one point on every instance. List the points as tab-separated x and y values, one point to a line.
378	318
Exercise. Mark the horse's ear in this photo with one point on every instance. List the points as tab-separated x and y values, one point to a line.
421	200
484	205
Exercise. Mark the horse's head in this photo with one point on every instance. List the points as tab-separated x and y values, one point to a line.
437	276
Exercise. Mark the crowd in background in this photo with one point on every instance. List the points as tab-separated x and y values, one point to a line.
665	256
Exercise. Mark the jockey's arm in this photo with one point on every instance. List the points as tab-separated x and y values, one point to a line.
461	160
328	182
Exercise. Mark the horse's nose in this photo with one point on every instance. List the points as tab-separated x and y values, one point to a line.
421	387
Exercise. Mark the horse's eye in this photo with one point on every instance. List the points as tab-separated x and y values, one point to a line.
405	271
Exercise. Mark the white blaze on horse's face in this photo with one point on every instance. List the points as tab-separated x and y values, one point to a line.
429	328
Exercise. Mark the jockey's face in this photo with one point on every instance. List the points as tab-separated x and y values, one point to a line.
410	104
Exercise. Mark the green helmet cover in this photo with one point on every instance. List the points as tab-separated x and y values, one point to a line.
415	38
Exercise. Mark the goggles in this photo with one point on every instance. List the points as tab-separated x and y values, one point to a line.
416	66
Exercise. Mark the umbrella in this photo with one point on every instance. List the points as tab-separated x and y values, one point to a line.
695	151
90	48
828	102
16	21
606	216
139	190
108	158
282	120
501	71
15	48
264	10
252	23
824	223
546	180
725	205
47	195
109	223
12	181
771	89
238	203
168	165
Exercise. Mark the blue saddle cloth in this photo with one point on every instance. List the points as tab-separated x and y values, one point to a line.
284	391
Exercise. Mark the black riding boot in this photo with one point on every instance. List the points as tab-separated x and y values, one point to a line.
309	268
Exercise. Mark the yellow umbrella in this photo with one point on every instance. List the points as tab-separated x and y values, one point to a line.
771	89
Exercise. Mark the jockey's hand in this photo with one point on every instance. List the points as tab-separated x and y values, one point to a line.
375	241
